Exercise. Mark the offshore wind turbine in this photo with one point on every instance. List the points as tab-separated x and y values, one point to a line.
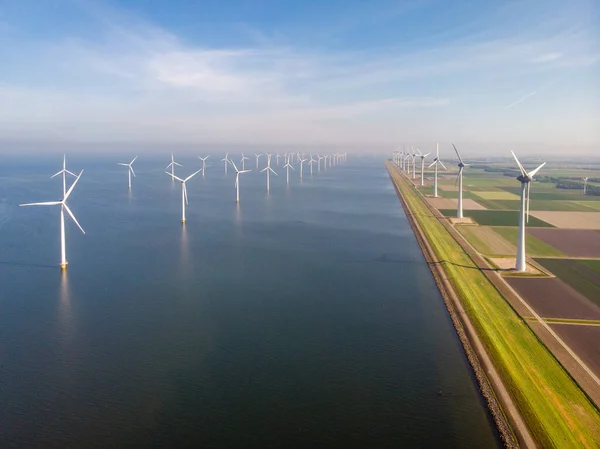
277	157
64	172
268	169
525	179
287	166
257	156
184	197
244	158
311	163
423	156
63	208
237	180
435	163
459	180
302	161
226	159
319	163
172	165
203	159
130	171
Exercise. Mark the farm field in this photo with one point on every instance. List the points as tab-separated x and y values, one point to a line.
571	242
452	203
553	298
533	245
590	204
537	205
497	195
486	241
568	220
496	217
547	191
585	278
585	340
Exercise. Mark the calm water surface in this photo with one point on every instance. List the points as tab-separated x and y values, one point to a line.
303	318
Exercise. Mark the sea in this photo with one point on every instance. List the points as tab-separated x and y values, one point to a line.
305	317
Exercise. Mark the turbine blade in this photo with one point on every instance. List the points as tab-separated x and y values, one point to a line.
121	163
168	165
131	168
234	166
244	171
72	187
133	160
176	177
184	192
523	172
272	171
237	176
532	173
57	173
432	164
458	154
458	176
73	217
527	202
177	163
192	175
71	173
47	203
426	154
442	164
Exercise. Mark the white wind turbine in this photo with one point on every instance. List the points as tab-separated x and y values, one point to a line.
63	208
423	156
319	162
268	169
585	180
459	180
414	164
302	161
64	171
172	165
287	166
184	197
226	160
277	157
311	163
525	179
435	163
237	181
203	159
244	158
130	170
257	156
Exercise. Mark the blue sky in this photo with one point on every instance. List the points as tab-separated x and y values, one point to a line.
372	74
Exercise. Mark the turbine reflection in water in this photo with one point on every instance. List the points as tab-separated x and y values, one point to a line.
65	311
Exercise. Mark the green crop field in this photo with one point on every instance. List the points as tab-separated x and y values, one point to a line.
558	205
556	411
582	275
595	205
533	246
496	217
497	195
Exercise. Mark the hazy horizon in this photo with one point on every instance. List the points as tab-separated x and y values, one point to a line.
490	77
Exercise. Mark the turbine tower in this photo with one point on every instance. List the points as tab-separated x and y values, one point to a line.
64	171
226	160
459	180
311	163
287	166
435	163
184	197
585	180
257	156
130	171
423	156
203	159
237	180
268	169
172	165
302	161
414	164
525	179
63	208
244	158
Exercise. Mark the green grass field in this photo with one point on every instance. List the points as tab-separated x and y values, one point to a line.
556	205
497	195
496	217
581	275
557	412
533	246
595	205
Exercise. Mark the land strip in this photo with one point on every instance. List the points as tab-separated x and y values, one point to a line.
557	412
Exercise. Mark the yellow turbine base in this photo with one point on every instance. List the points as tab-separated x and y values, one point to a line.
183	220
63	266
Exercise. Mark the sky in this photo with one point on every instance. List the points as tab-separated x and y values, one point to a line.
363	74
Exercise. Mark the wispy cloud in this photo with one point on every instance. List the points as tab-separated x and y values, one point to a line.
520	100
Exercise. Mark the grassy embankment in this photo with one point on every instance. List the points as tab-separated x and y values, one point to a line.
557	412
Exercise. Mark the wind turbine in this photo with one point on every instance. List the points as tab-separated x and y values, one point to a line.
277	157
268	169
435	163
319	163
585	180
302	161
63	208
423	156
237	180
64	171
172	165
244	158
226	159
130	171
203	159
257	156
287	166
525	179
459	179
311	163
184	197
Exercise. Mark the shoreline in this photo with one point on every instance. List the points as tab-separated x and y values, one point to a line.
509	422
